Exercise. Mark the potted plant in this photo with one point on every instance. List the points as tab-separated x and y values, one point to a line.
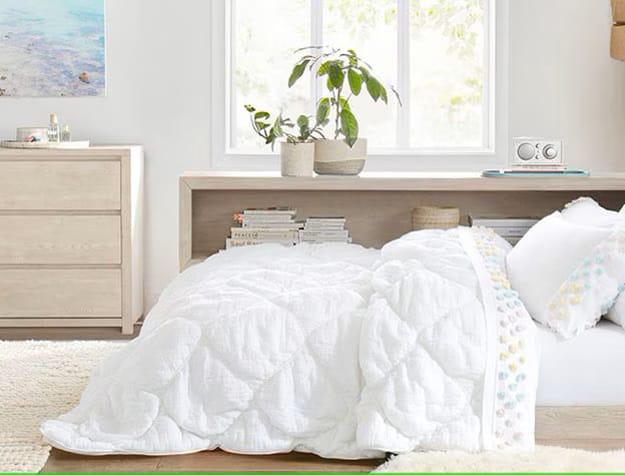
297	150
345	75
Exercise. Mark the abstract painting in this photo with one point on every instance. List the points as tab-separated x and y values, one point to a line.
52	48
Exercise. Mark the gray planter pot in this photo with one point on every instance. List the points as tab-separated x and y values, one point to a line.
335	157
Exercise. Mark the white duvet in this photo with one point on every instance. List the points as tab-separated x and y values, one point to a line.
333	349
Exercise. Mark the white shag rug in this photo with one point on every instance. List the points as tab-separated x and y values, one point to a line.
40	380
544	459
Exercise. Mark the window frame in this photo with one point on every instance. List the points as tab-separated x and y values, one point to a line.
409	159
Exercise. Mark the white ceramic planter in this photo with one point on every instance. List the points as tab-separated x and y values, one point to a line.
335	157
297	159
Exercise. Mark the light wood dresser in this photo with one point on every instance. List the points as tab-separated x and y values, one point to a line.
71	229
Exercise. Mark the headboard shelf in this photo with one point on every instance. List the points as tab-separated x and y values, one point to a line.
377	206
426	181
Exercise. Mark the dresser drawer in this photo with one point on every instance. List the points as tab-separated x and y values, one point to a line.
60	185
60	239
30	293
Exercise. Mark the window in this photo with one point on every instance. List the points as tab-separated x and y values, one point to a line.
439	54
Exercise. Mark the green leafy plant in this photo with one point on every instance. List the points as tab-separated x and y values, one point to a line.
345	75
272	130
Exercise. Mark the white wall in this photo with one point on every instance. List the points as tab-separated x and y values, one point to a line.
562	83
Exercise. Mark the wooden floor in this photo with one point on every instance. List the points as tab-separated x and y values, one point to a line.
9	334
216	461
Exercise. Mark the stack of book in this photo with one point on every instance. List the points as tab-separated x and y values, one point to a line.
318	230
511	229
259	226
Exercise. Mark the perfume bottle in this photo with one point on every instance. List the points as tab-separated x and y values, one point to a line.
54	134
66	133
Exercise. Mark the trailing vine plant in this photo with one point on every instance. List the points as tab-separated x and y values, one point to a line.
271	130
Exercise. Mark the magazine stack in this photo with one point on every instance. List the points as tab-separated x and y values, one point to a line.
259	226
319	230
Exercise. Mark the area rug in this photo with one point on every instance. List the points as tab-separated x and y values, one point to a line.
40	380
544	459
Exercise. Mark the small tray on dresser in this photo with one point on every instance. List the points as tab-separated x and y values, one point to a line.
44	145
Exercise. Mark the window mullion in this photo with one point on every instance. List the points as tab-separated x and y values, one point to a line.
403	73
488	98
230	63
316	39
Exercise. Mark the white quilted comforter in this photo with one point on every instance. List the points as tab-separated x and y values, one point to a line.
333	349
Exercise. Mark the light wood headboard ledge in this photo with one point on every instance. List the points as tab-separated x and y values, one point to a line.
377	206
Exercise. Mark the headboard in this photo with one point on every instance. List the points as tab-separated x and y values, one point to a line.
377	206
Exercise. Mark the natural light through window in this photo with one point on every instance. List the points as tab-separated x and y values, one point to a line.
437	54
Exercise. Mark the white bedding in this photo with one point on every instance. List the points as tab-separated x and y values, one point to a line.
587	370
336	350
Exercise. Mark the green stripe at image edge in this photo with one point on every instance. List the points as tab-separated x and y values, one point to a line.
314	473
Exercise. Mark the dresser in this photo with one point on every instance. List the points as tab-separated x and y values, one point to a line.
71	231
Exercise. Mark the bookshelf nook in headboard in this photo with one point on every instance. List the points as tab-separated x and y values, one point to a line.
377	206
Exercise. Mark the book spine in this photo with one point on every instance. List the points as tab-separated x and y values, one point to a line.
231	242
260	221
325	226
511	232
269	212
494	223
320	240
254	233
332	234
323	222
270	224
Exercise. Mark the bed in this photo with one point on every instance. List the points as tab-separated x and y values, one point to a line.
378	207
581	391
582	419
581	372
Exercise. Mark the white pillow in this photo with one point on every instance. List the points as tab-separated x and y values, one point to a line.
588	211
568	274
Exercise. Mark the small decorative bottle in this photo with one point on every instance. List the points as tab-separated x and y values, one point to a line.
66	134
53	129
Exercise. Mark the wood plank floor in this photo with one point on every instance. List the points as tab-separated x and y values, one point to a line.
9	334
216	461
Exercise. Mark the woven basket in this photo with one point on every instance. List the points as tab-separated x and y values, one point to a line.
431	217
